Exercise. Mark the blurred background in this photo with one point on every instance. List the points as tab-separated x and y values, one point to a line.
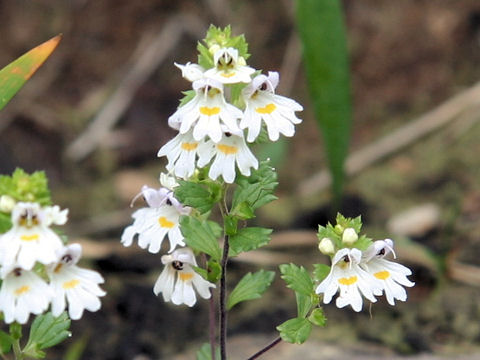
95	115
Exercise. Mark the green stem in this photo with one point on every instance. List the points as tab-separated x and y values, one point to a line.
17	351
223	309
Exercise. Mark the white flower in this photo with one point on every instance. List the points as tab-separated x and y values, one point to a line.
167	181
30	239
229	67
205	112
390	274
190	71
23	293
177	280
349	236
77	286
229	150
352	281
181	153
155	222
278	112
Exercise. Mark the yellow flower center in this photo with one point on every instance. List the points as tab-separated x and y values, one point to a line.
185	276
209	111
382	275
189	146
348	281
227	75
227	150
22	290
58	268
70	284
165	223
267	109
29	237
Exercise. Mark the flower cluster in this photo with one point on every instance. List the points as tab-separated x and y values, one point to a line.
228	98
355	273
25	289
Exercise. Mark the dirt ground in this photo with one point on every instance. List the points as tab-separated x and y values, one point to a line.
407	58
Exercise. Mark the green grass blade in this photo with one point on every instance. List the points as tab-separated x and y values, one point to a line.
322	32
14	75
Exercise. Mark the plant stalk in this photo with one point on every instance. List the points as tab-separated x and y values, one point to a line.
265	349
211	323
223	295
17	351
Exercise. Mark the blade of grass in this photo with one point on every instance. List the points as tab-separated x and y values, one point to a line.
14	75
322	32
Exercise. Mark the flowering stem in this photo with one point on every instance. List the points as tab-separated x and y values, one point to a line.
265	349
223	310
211	320
17	351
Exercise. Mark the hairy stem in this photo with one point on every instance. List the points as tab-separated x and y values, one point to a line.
265	349
17	351
211	321
223	295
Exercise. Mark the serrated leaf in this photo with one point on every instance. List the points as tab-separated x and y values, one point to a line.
345	222
257	189
5	342
295	331
243	211
323	36
250	287
26	187
196	195
14	75
200	236
47	331
363	243
297	279
320	272
205	352
317	317
304	304
248	239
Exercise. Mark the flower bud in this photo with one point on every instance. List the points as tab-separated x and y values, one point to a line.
349	236
326	246
7	203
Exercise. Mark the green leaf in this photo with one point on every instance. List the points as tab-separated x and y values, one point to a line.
317	317
205	352
231	225
46	331
344	222
5	342
199	196
297	279
323	36
26	187
304	304
14	75
250	287
243	211
257	189
200	236
249	238
320	271
5	223
295	331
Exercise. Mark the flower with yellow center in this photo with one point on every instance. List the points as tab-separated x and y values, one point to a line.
23	293
352	281
206	112
230	150
72	284
157	221
178	279
229	67
277	112
390	274
30	239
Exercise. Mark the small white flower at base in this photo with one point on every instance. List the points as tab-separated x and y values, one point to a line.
205	112
155	222
326	246
390	274
72	284
190	71
30	239
181	153
353	282
278	112
23	293
349	236
178	279
230	150
229	67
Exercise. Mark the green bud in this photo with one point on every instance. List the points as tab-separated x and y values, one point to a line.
326	246
7	203
339	229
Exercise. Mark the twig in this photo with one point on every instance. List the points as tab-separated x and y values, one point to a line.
265	349
145	60
393	142
223	295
